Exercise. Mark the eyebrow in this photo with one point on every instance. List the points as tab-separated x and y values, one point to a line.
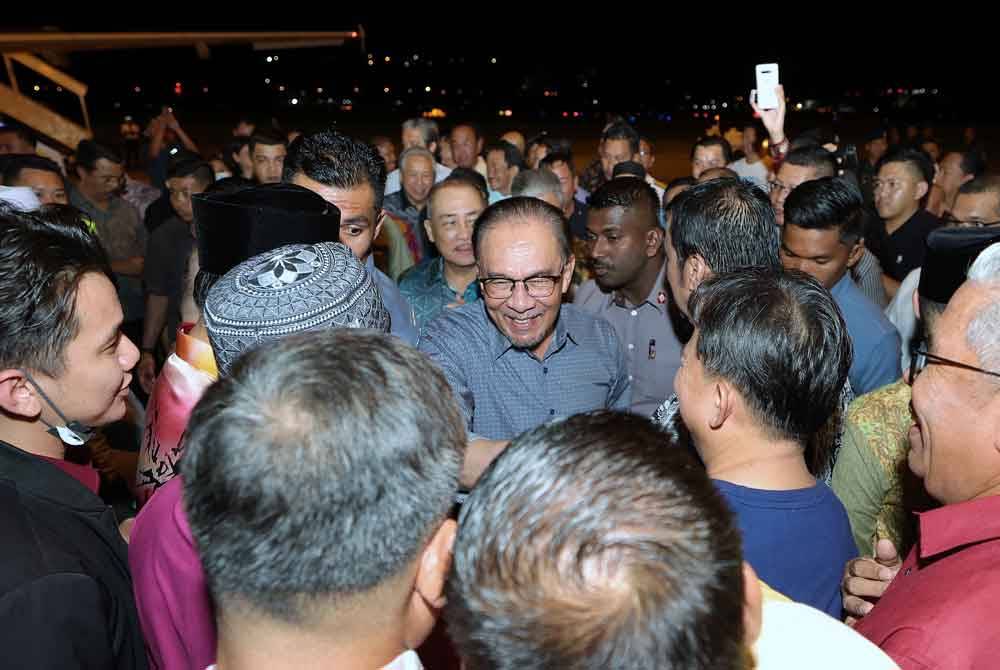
113	337
358	220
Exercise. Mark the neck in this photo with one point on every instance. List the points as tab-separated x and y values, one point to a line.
637	292
31	436
244	646
92	197
570	207
752	157
757	462
895	223
459	277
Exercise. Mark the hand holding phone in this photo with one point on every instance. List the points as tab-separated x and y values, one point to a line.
767	83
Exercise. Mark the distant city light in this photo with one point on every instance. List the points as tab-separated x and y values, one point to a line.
388	59
493	60
319	90
269	59
37	88
137	89
267	80
385	90
295	101
427	89
282	88
371	62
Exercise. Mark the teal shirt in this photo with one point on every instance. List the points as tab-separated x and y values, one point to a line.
428	292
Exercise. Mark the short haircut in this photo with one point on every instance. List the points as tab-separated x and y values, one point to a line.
518	210
718	173
453	183
917	161
334	159
536	183
712	141
681	181
511	156
192	167
554	157
470	176
779	338
983	333
266	137
20	130
414	151
349	446
42	261
983	184
815	157
622	131
428	128
89	152
471	126
627	194
973	161
591	544
12	167
826	203
728	222
234	147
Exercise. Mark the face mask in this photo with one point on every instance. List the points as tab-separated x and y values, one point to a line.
72	433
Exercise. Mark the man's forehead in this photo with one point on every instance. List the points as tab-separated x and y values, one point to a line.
270	149
986	203
418	163
791	173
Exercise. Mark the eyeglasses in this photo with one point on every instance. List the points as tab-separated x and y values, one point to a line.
777	186
921	359
952	221
539	286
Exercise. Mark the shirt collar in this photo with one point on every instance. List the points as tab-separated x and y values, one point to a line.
960	524
44	480
841	286
435	272
657	297
501	345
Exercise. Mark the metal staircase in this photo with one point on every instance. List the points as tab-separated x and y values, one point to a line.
50	125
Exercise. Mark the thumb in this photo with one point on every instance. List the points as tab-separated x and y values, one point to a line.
886	554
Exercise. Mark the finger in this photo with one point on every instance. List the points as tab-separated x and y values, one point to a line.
856	607
864	588
865	568
885	552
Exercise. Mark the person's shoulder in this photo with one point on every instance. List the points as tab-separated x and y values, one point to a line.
459	323
868	314
879	402
580	318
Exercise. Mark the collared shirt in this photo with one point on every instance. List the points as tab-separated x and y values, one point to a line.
503	391
403	323
393	183
400	207
84	474
167	254
875	340
940	610
904	250
867	274
757	172
578	220
652	349
123	236
428	291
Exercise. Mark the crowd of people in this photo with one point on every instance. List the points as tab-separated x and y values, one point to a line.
313	402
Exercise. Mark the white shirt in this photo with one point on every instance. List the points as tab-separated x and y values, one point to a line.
795	636
900	313
393	184
755	172
656	187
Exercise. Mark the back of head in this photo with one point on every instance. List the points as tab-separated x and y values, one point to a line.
42	261
13	167
728	222
191	166
916	161
629	169
470	176
973	161
982	184
779	338
622	131
588	545
826	203
815	157
630	194
334	159
349	446
89	152
718	173
536	184
518	211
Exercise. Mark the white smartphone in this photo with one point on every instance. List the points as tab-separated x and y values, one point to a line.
767	81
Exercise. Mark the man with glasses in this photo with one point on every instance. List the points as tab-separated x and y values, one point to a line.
937	612
901	188
101	176
519	357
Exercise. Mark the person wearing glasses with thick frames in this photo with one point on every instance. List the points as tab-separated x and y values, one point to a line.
520	357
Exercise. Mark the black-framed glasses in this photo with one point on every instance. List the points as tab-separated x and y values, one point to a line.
921	359
539	286
952	221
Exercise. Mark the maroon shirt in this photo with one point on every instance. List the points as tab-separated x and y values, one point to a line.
941	609
84	474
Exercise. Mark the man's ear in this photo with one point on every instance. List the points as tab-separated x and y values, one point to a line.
429	230
433	148
695	271
654	241
17	396
724	397
857	251
922	188
435	562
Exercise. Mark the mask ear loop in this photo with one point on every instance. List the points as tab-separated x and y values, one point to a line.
73	433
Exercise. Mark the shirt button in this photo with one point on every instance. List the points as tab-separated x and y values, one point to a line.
631	346
552	412
635	313
630	377
545	371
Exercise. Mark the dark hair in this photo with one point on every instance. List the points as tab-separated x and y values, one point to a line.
627	194
554	157
592	543
453	182
712	141
825	203
20	130
780	339
468	124
629	169
681	181
983	184
917	160
470	176
266	137
521	209
973	161
42	261
192	167
815	157
89	152
234	147
511	156
334	159
12	168
622	131
728	222
319	469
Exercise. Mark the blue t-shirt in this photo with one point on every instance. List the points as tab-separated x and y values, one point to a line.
874	339
797	541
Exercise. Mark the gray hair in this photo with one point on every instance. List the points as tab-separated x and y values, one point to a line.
428	129
983	334
414	151
536	183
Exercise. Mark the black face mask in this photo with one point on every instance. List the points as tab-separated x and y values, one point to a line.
73	433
